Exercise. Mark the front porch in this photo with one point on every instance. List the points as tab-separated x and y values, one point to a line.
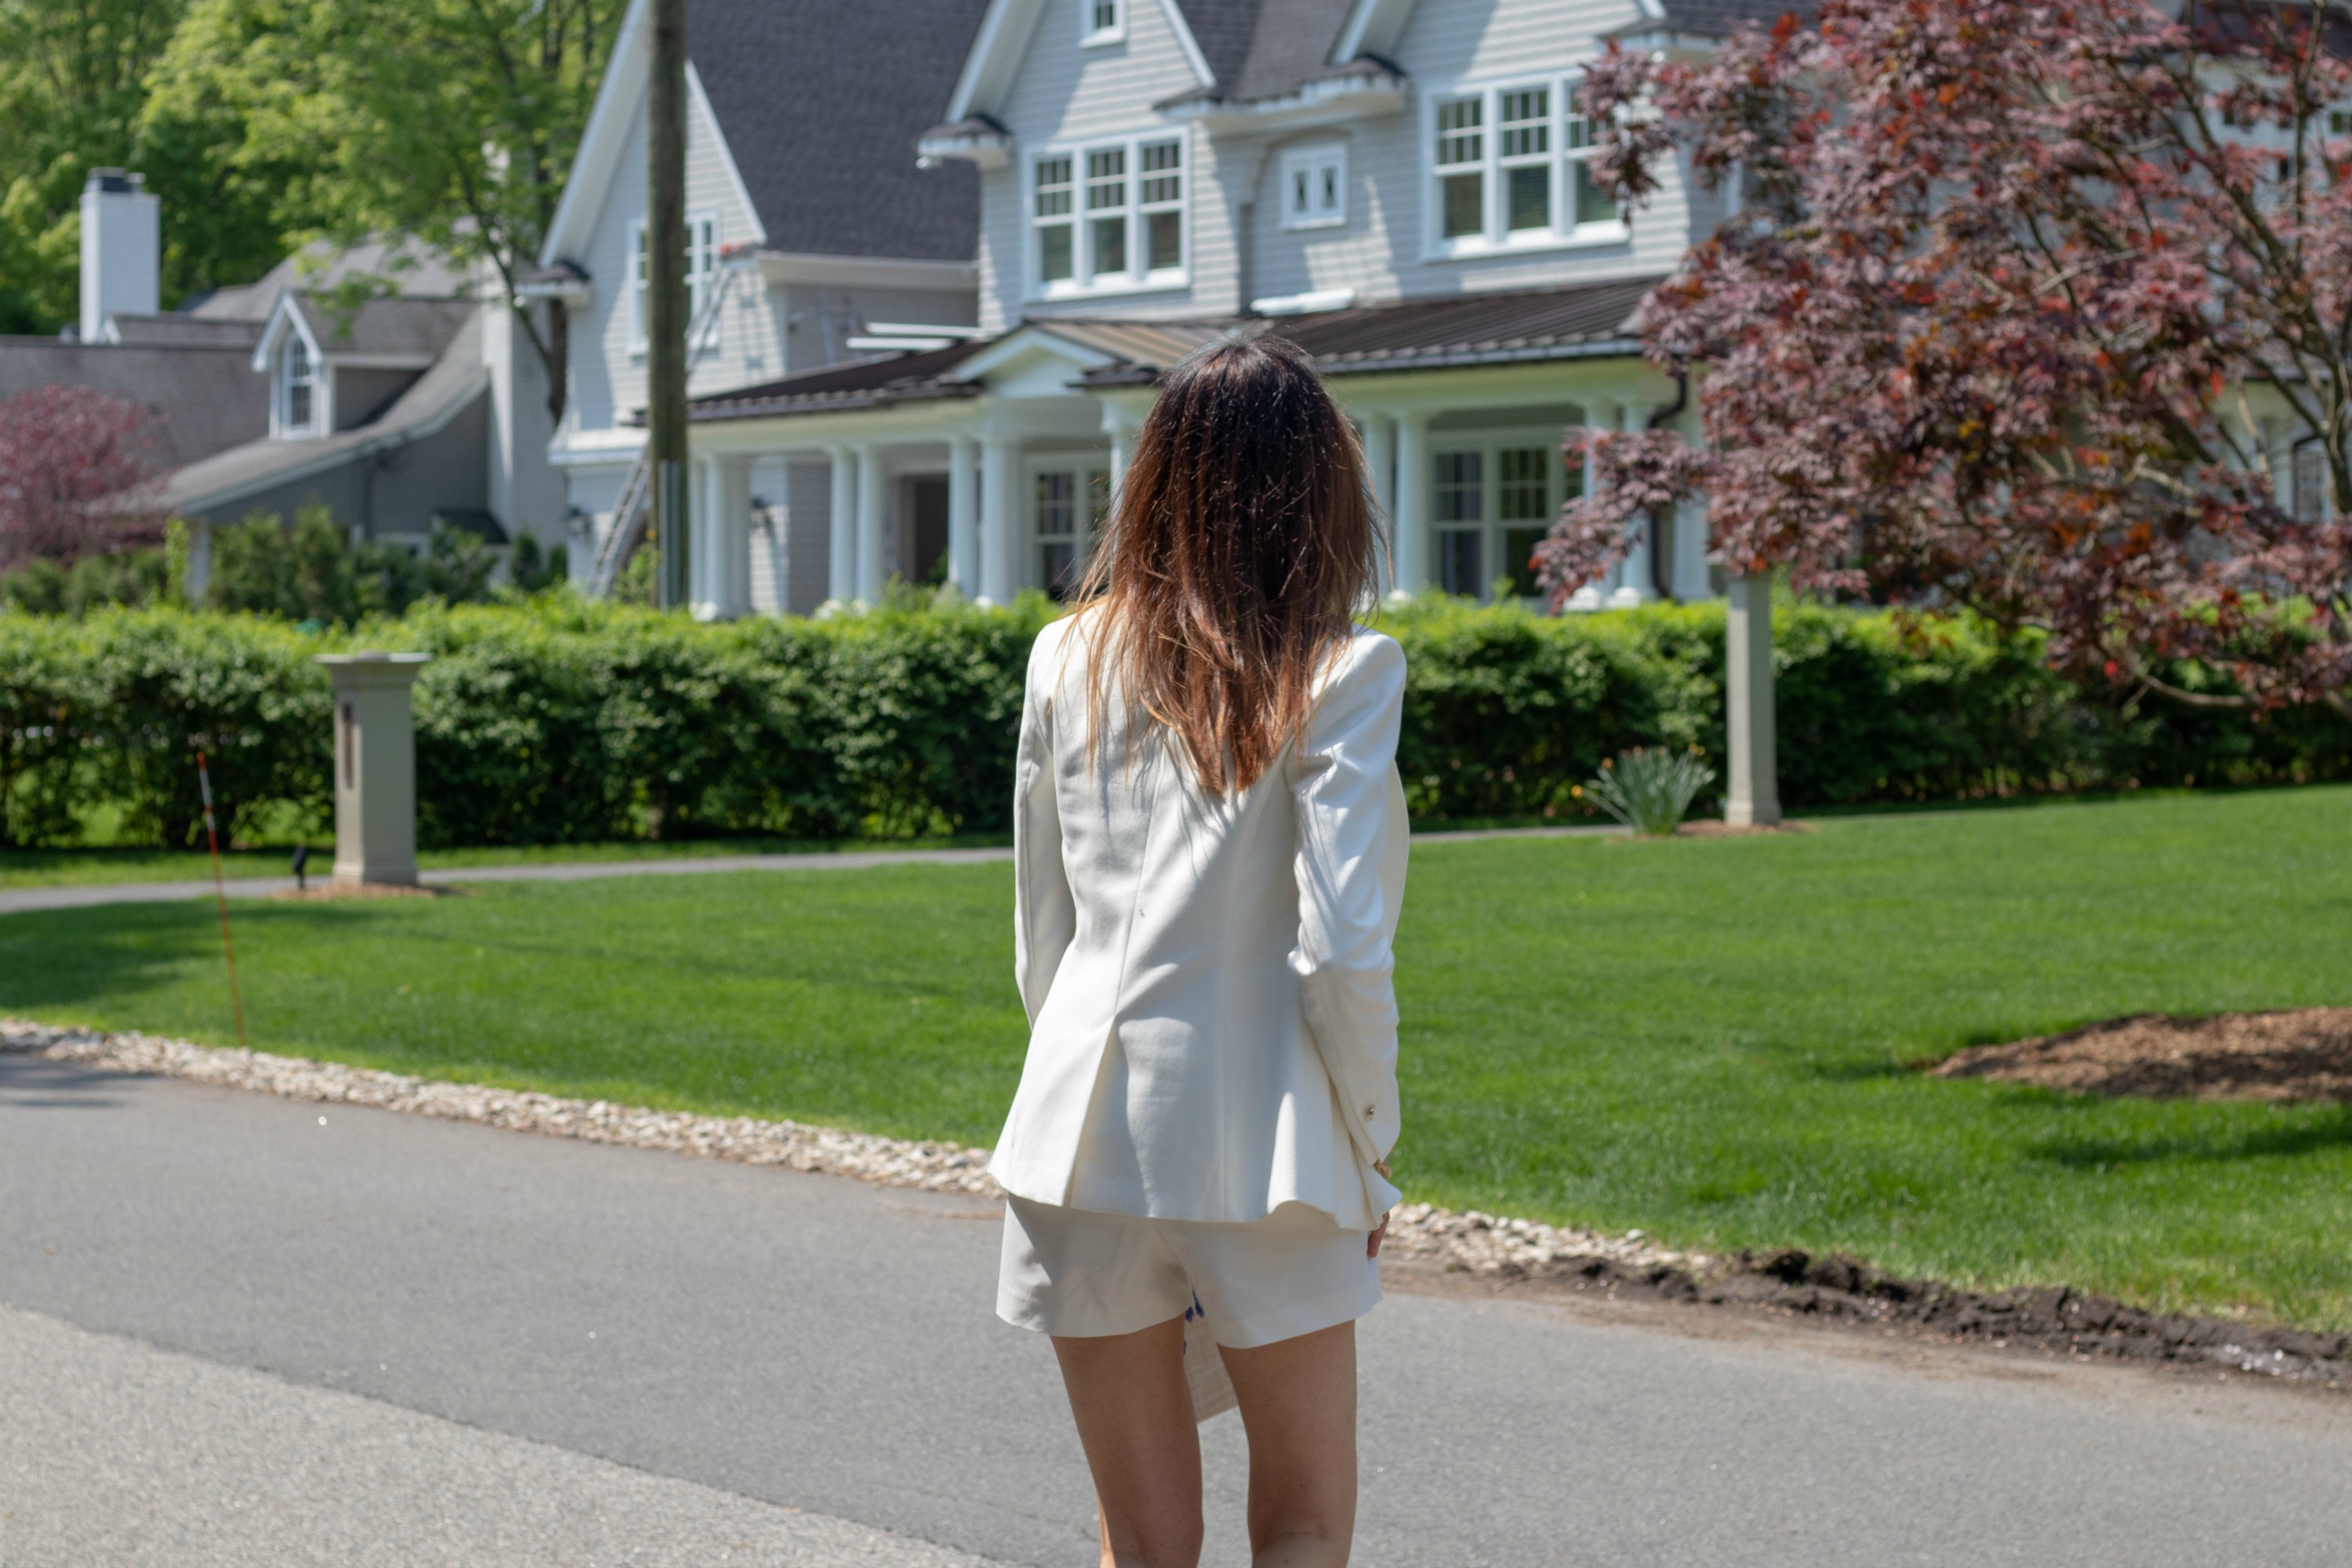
989	465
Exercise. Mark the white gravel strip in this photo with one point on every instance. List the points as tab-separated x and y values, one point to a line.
1481	1244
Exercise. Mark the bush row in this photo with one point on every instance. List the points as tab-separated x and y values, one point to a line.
556	721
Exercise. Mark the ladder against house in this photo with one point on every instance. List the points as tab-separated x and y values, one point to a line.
627	529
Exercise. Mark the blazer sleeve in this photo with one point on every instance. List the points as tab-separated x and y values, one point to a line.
1351	869
1045	911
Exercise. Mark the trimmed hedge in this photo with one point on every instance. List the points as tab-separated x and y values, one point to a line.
556	721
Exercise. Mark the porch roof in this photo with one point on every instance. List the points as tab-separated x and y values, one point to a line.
1594	322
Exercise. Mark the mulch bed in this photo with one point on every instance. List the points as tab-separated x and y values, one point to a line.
2304	1054
2051	1319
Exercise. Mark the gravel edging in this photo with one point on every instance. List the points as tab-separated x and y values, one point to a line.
1506	1252
1480	1244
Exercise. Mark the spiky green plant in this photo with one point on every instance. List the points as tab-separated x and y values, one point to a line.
1650	787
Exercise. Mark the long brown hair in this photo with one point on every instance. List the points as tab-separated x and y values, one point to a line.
1237	552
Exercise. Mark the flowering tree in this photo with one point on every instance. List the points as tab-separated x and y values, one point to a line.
63	448
2026	306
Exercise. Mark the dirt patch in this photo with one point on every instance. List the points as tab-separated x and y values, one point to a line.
1709	827
327	892
2304	1054
2051	1319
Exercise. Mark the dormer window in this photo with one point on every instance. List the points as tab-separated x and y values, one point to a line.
1108	218
1510	170
1102	22
1314	188
298	388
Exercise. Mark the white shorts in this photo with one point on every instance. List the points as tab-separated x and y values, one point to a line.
1084	1275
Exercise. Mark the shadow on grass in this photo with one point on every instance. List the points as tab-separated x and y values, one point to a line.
2317	1130
68	958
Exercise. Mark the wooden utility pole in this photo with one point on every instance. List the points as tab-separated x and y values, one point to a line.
666	301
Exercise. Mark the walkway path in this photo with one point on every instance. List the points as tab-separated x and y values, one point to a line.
239	1329
21	900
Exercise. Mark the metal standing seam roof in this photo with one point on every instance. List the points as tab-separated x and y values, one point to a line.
1433	334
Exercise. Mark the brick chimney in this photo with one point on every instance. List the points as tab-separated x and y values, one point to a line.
122	251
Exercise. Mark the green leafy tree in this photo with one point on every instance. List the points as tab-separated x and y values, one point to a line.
452	122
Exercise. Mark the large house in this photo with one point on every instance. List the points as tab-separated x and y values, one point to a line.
1397	185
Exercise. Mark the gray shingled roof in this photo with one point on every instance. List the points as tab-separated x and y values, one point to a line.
413	270
177	329
822	101
387	328
205	398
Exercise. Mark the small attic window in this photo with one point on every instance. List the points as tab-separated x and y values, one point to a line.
298	388
1102	21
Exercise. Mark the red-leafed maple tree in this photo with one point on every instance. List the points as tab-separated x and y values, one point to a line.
71	462
2025	306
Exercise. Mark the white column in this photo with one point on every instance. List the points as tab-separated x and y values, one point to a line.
1691	581
1120	433
1637	581
702	534
1752	794
1380	466
871	557
841	566
1410	545
730	539
1599	414
964	513
1000	517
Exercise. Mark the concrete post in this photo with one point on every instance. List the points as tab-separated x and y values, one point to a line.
963	514
1753	793
375	766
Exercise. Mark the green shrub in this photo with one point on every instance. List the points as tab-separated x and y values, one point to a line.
313	571
44	587
551	720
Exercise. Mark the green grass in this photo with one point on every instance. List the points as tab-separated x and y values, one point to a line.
1705	1038
89	866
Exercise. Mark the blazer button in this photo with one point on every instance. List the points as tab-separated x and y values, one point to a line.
1367	1114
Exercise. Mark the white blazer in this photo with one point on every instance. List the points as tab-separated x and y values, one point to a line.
1213	1018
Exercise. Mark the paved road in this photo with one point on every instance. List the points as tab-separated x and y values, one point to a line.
23	900
381	1339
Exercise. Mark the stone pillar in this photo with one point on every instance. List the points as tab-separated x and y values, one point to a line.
841	550
375	766
1000	517
1636	577
1410	545
1379	470
1752	795
872	558
963	514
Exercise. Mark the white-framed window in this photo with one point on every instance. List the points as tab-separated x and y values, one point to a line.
1069	497
1493	497
1109	218
1314	186
1508	170
1101	21
702	268
298	388
2307	474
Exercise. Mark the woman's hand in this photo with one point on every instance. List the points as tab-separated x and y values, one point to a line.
1381	1231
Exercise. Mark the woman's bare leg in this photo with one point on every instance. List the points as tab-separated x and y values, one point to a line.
1135	1418
1298	1405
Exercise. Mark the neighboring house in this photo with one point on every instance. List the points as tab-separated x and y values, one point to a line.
400	413
1398	185
813	236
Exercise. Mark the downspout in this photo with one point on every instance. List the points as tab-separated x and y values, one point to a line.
1659	583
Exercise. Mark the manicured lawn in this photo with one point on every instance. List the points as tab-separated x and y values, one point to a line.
1705	1038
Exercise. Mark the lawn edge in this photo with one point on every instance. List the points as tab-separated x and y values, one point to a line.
1503	1250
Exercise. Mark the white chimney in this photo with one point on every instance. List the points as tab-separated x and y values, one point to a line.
122	251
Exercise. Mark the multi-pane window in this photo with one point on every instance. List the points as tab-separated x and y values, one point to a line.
1461	167
1109	216
298	407
1314	188
2309	476
1063	532
1492	500
1461	514
702	268
1508	166
1102	20
1056	256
